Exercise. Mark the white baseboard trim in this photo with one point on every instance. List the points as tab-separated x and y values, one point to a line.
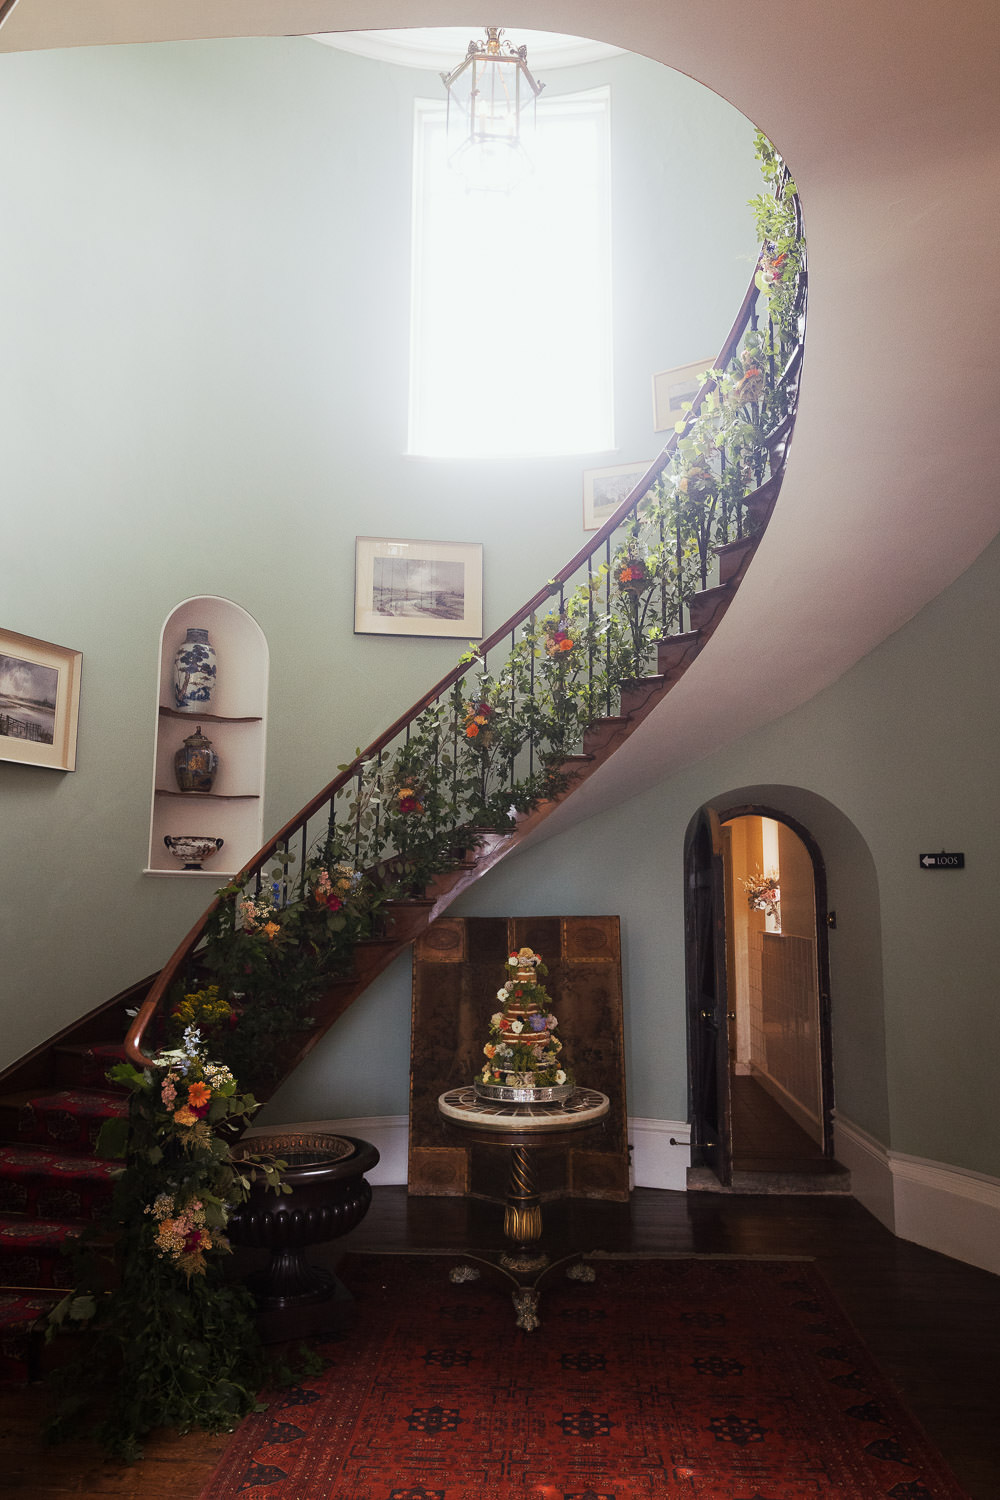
867	1160
661	1153
389	1134
944	1208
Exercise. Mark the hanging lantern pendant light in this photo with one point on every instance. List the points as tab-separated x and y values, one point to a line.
491	110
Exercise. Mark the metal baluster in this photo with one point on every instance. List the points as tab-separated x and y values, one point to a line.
724	512
590	636
607	633
357	816
378	805
531	696
454	756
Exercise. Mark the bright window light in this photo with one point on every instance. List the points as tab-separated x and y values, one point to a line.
510	348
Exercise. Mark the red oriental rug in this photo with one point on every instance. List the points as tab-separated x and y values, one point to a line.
718	1379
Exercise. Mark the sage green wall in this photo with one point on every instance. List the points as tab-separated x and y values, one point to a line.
897	758
203	390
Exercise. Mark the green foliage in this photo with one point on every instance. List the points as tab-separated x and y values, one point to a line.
172	1343
775	216
496	745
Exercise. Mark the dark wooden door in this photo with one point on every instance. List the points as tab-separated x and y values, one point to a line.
707	998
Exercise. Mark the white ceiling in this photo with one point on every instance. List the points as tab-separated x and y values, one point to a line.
441	47
886	113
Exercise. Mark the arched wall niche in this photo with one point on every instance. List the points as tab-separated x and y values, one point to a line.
857	1006
234	720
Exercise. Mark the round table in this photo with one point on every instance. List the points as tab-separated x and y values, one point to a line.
519	1127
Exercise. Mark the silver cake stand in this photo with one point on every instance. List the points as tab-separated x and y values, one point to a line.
519	1126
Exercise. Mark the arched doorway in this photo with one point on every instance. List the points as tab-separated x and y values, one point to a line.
761	1078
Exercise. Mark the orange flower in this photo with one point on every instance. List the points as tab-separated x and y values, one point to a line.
472	730
199	1094
185	1115
271	930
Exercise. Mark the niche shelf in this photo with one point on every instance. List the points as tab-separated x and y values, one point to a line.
234	721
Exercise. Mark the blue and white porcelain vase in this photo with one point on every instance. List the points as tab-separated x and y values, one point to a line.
194	671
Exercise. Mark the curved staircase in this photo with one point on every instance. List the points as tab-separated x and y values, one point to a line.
54	1101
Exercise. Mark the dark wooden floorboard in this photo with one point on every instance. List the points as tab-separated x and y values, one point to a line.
932	1323
765	1137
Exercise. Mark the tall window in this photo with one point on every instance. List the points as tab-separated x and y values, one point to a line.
511	322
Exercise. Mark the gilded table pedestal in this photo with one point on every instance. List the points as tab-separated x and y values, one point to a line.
519	1127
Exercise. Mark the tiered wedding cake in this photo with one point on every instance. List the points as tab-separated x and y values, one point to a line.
522	1055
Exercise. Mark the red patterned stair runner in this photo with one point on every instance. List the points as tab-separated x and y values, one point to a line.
51	1186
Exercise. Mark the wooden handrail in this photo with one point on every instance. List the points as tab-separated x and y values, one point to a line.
296	824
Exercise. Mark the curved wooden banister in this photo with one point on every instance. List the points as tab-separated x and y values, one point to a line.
629	507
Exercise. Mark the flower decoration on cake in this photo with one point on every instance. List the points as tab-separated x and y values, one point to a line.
523	1048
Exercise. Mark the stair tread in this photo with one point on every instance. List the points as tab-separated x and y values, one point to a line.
28	1160
54	1231
83	1101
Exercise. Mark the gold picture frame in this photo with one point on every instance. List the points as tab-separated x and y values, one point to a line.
39	701
605	489
671	388
403	586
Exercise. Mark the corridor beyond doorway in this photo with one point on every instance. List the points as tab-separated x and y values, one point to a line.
766	1138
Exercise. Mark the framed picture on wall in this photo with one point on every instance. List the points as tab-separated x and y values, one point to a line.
407	587
605	489
39	701
671	388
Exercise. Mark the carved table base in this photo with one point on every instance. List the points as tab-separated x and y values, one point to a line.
523	1263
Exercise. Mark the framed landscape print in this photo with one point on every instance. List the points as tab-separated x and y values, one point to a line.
605	489
39	701
671	388
407	587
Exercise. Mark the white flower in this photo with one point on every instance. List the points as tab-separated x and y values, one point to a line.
517	1027
502	995
551	1022
486	1073
496	1018
560	1076
512	961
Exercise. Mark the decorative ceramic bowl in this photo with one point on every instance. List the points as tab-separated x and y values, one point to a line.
192	848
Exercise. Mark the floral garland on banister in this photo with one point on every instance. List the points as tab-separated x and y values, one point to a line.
171	1340
497	745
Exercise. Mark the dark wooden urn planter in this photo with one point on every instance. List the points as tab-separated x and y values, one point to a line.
329	1197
